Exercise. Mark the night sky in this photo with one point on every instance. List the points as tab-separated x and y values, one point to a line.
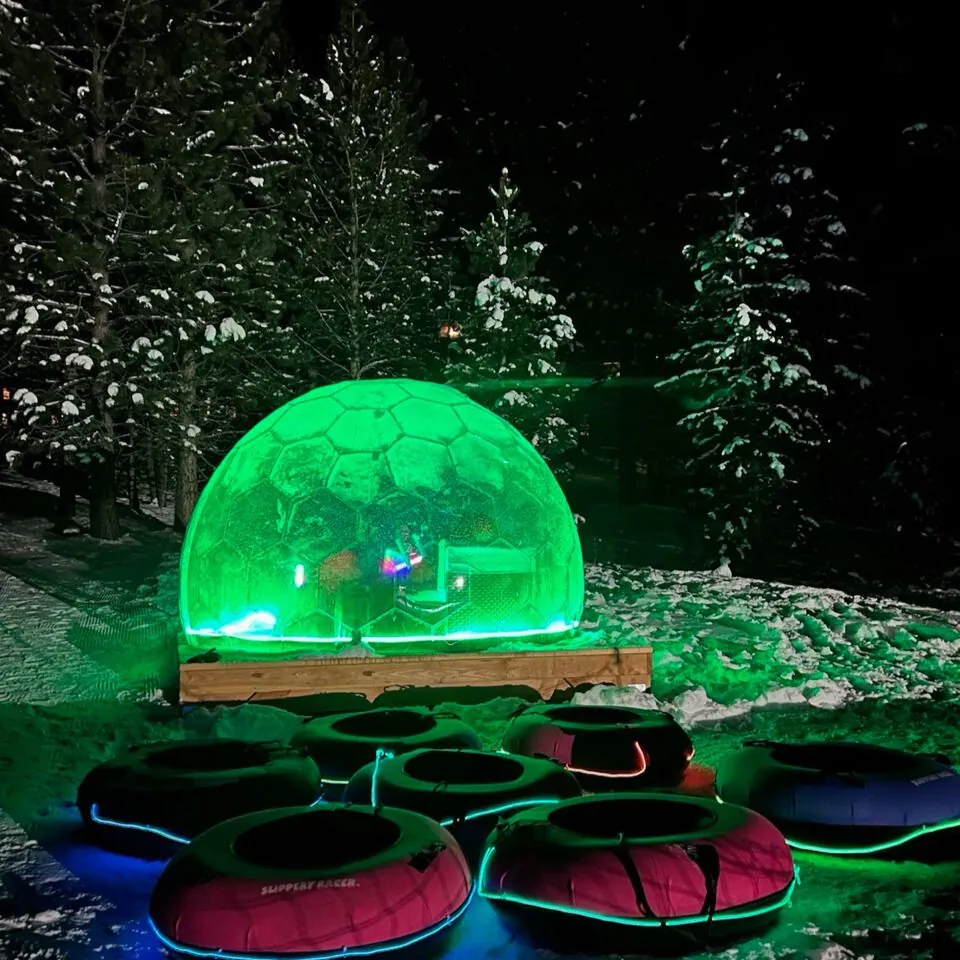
599	112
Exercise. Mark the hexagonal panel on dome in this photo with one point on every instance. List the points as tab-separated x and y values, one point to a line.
479	462
384	509
428	420
363	431
307	420
360	478
420	466
254	518
300	466
438	392
373	394
249	464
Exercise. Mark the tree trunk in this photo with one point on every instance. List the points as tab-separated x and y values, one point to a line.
134	480
122	473
187	492
160	477
67	498
356	303
151	467
104	521
187	474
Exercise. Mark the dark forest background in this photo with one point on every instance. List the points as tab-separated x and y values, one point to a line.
611	121
601	118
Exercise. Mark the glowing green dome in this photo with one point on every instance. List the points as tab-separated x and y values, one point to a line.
381	509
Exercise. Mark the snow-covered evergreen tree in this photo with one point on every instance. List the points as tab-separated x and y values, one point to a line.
511	331
770	149
744	355
207	290
123	166
357	242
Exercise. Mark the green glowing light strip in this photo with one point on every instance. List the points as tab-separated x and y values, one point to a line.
557	383
555	629
649	922
921	831
501	808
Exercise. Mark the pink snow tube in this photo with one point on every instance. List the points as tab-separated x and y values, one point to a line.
651	860
608	748
328	880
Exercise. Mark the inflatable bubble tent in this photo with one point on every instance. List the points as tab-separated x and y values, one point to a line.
380	510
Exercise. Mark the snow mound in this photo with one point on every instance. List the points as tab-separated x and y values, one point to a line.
723	645
249	721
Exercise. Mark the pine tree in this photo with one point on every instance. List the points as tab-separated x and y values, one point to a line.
77	76
133	122
358	241
786	164
743	353
208	298
513	333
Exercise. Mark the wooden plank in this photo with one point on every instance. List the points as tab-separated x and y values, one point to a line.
545	671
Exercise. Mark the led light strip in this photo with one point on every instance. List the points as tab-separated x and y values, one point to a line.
648	922
99	819
639	771
241	631
502	808
914	834
141	827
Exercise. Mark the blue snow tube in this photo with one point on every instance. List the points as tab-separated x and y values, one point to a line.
849	799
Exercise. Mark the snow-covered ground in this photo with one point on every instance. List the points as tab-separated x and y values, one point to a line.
733	658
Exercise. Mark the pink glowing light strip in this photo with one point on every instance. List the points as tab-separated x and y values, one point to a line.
616	774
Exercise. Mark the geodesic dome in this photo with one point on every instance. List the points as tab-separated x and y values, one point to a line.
382	510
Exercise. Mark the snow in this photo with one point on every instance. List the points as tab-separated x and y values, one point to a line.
733	658
38	664
36	931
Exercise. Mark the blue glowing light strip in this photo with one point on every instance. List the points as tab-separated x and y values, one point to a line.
97	818
743	913
344	952
142	827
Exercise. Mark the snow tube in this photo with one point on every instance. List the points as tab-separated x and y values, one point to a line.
849	798
658	869
332	880
463	790
342	743
608	748
158	794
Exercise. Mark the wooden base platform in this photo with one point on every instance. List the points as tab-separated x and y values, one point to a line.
544	671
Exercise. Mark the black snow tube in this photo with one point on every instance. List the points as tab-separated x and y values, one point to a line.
161	794
608	748
331	881
638	872
342	743
463	790
849	799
